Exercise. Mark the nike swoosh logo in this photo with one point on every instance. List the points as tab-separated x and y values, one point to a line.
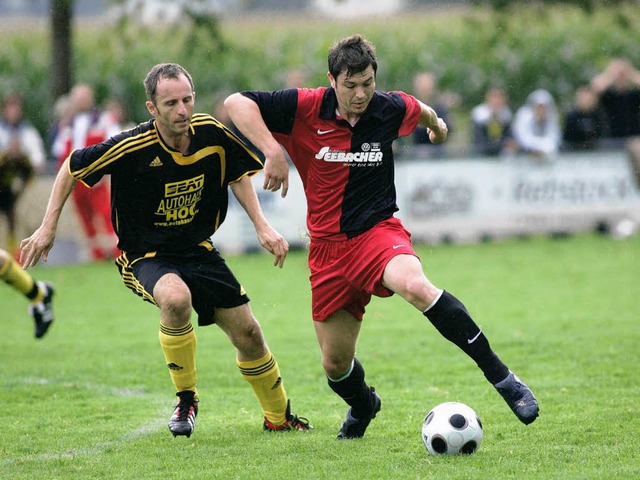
322	132
474	338
398	246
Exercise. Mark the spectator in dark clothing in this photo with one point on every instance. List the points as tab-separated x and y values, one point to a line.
491	125
618	88
425	85
585	123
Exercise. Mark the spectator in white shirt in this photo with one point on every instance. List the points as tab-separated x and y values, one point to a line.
536	126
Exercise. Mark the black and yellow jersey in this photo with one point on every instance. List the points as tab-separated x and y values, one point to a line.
161	200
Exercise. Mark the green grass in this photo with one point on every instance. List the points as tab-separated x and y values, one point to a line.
91	400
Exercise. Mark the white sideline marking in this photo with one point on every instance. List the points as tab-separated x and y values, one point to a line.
140	432
118	392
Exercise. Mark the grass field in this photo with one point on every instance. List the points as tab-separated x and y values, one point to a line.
91	400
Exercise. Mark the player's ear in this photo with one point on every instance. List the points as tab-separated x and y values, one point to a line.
151	107
332	80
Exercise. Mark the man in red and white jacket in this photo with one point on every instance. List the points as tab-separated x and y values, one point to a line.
89	126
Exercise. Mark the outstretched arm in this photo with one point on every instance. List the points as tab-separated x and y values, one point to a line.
40	242
245	115
436	126
270	240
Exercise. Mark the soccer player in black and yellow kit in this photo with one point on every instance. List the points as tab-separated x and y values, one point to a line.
169	179
40	294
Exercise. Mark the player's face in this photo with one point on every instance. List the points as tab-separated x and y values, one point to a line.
174	105
354	92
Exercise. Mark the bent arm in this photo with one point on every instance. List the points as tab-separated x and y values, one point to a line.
436	126
245	115
40	242
270	240
617	69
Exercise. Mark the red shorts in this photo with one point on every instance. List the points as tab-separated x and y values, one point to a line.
345	274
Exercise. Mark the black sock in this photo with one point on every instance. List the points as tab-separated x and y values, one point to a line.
33	293
354	390
452	320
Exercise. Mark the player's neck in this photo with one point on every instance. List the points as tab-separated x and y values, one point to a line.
177	141
351	118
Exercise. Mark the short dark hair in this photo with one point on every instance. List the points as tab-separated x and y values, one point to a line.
163	70
354	53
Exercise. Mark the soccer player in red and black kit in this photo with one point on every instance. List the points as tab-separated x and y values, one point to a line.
169	179
340	140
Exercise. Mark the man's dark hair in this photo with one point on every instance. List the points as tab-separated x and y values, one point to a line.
163	70
354	53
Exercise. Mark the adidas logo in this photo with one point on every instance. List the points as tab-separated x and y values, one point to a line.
277	384
156	163
173	366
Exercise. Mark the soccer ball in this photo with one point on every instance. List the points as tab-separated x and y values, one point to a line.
451	428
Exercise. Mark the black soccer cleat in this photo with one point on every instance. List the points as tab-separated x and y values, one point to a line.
355	427
42	312
519	398
293	422
183	420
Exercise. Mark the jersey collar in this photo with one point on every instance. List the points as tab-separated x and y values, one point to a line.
329	107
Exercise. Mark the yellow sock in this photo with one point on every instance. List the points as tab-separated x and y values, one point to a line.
13	274
264	376
179	347
12	243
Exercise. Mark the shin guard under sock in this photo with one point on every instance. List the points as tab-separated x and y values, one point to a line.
264	377
179	348
452	320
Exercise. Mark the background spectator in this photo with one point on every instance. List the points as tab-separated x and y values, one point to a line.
425	89
63	112
536	126
89	126
21	155
18	135
115	118
491	125
618	87
585	123
295	78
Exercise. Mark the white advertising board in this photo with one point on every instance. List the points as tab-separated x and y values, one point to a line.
453	200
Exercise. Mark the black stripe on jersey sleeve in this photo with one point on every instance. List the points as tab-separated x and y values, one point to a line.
278	109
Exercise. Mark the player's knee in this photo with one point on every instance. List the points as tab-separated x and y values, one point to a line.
336	366
415	290
252	334
176	302
249	339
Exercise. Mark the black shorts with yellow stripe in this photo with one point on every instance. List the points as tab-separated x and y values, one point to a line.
211	282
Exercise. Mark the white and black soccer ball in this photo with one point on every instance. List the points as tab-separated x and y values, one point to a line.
451	428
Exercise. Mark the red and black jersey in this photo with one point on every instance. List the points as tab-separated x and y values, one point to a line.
161	200
347	171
